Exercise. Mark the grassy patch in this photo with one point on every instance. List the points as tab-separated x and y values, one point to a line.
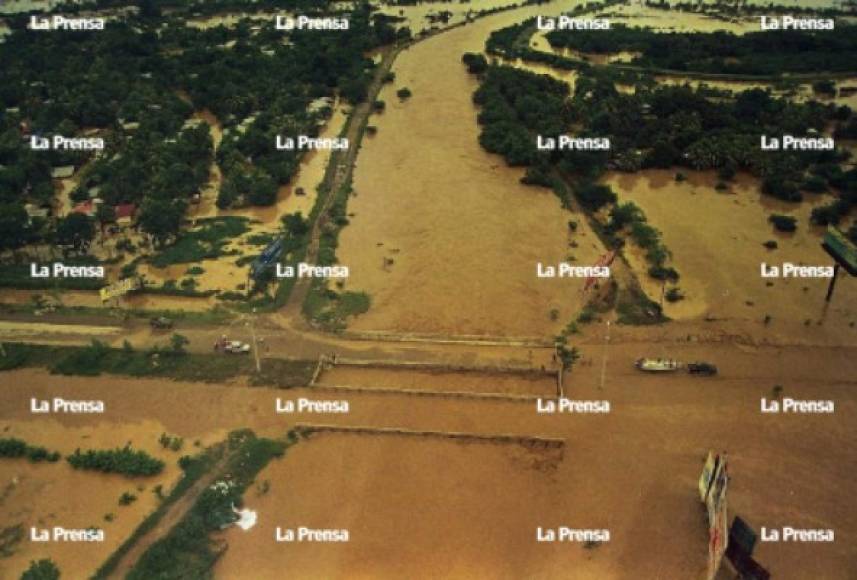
98	358
19	276
207	241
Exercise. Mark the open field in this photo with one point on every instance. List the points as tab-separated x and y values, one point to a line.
633	470
53	494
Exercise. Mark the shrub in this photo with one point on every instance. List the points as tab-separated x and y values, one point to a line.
404	93
476	63
41	570
14	448
124	461
674	294
127	498
783	223
594	196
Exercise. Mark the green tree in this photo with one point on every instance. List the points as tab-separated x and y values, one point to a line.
41	570
295	225
161	219
76	230
14	231
178	342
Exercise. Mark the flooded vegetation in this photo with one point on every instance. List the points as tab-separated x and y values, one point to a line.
736	228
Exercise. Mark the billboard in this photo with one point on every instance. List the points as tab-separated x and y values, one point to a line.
713	484
841	249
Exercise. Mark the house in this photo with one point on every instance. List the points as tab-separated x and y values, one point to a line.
87	208
125	213
63	172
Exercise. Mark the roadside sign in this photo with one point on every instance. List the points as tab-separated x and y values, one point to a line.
119	288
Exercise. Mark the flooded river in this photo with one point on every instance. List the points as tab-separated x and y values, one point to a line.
444	237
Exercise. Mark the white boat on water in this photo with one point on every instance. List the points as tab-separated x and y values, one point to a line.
657	365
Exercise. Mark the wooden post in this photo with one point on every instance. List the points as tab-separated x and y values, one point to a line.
832	283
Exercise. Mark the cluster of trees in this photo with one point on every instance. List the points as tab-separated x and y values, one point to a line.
120	460
515	106
15	448
721	52
629	216
130	83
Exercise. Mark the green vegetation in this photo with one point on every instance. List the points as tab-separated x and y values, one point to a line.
138	85
19	276
204	242
188	551
324	306
127	498
476	63
193	468
98	358
14	448
404	93
10	537
172	442
720	52
120	460
41	570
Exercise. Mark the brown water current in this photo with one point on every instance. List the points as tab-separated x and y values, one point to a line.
444	237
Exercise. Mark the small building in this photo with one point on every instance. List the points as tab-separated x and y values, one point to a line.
125	214
86	208
35	211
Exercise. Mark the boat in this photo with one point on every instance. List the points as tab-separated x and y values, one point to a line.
657	365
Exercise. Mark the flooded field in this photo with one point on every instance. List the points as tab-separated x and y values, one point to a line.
424	16
443	236
92	299
632	472
438	381
224	273
53	494
704	228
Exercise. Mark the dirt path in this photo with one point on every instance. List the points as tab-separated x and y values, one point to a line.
175	513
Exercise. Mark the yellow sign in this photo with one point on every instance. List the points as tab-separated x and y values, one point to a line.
120	288
706	477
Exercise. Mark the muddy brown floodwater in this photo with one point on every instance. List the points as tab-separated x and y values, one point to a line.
443	236
424	507
536	384
717	238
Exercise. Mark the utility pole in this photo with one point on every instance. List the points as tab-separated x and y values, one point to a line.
604	358
255	343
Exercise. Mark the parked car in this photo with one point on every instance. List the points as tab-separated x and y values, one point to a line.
161	323
701	368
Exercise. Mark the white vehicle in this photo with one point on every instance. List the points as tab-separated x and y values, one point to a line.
659	365
236	347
